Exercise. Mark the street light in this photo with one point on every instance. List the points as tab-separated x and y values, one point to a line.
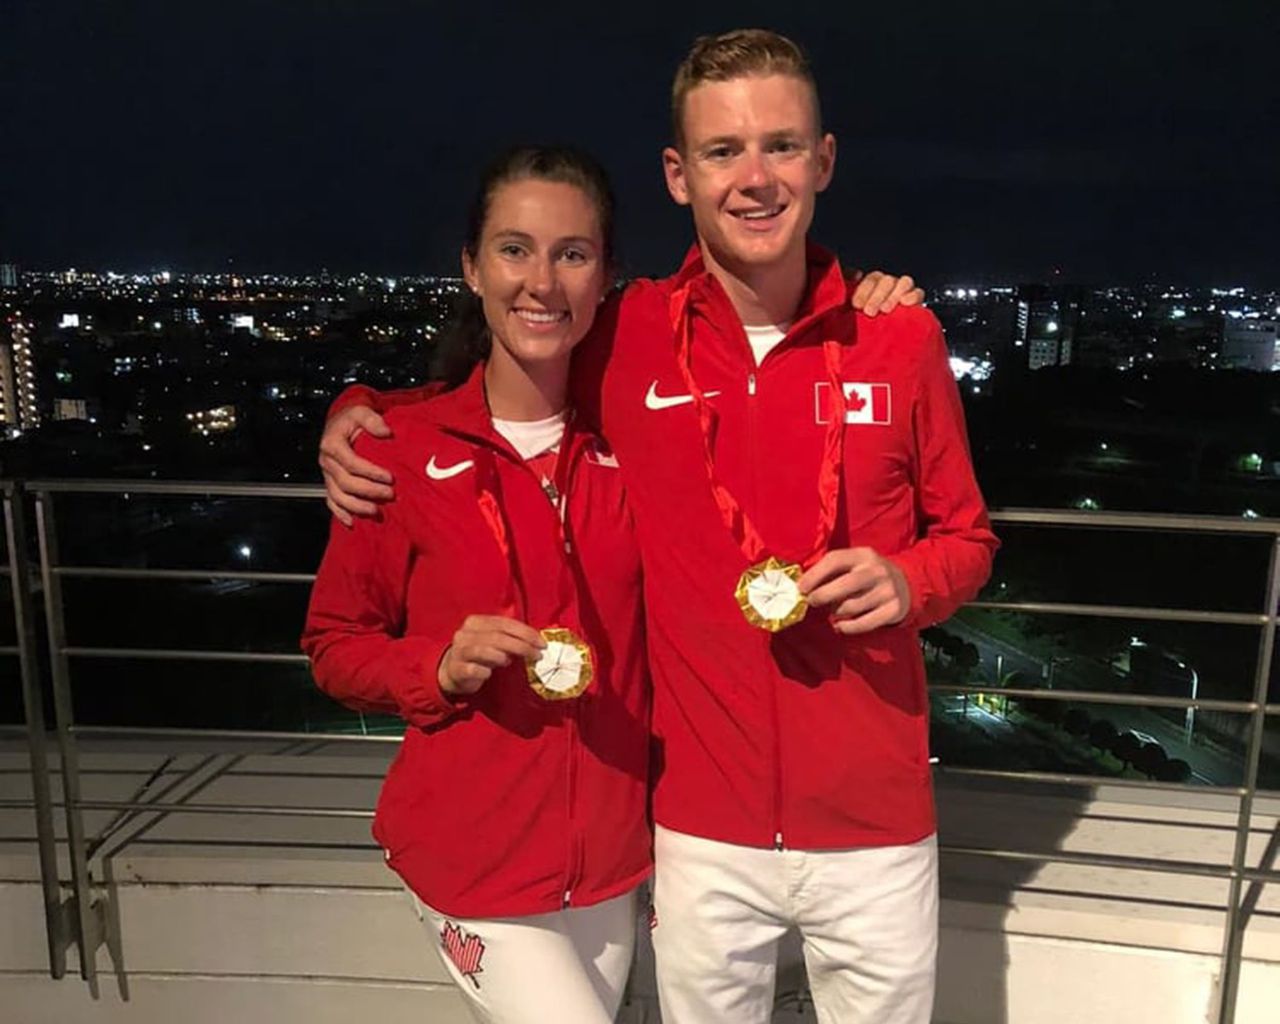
1191	711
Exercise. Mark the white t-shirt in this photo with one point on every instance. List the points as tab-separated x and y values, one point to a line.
765	339
531	438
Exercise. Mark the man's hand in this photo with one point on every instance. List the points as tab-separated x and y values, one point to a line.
864	590
483	643
878	292
353	485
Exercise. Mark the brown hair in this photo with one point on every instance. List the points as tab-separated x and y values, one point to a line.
737	54
466	339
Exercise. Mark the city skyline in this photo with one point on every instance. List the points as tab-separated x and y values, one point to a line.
1104	141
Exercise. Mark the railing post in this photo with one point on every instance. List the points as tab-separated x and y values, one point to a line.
1233	927
89	914
58	927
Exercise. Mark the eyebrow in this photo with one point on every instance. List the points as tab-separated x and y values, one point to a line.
731	140
524	236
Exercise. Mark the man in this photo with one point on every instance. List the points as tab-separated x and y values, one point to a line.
804	502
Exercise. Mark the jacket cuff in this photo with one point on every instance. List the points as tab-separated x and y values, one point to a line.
417	689
917	589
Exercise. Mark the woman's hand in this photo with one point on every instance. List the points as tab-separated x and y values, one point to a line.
483	643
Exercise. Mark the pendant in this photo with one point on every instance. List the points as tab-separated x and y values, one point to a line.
769	595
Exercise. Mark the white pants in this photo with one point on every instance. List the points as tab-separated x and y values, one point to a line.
868	919
568	967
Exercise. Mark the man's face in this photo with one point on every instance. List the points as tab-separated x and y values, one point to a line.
752	164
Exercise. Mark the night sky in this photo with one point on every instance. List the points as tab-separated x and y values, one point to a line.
978	141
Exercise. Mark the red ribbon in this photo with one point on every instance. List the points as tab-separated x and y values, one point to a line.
735	518
515	602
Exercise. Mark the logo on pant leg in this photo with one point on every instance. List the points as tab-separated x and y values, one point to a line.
653	917
464	949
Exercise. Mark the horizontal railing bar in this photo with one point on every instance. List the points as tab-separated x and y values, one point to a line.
1116	611
1032	516
1136	700
111	573
1173	867
165	654
1122	863
168	807
146	732
1136	521
1093	781
177	488
9	650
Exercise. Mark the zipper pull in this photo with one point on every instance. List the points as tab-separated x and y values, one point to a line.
751	383
567	894
777	841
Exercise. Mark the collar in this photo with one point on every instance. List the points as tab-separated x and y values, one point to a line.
464	412
825	288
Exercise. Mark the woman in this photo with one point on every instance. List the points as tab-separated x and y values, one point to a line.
495	605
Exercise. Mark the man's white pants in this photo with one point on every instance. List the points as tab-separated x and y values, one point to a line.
868	919
568	967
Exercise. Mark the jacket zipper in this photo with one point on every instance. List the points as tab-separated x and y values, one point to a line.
573	858
752	390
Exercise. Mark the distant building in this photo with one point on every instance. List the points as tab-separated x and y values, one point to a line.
19	410
74	409
1250	345
8	275
1045	323
221	419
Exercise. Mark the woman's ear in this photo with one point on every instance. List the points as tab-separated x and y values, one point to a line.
469	272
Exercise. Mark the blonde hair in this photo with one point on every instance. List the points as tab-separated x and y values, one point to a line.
737	54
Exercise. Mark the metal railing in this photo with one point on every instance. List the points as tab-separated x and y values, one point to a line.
79	916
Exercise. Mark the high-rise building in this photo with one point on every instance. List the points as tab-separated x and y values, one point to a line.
1045	324
8	275
19	410
1250	345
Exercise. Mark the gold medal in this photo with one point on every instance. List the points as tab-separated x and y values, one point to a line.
564	668
769	595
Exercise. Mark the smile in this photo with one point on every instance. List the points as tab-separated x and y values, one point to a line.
531	316
763	214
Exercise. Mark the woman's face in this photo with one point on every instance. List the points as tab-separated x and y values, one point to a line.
540	268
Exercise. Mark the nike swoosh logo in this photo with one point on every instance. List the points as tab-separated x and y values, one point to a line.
444	472
653	400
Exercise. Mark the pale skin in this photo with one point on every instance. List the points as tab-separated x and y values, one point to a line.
541	256
752	162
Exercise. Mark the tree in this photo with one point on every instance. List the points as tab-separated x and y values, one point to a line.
1076	721
1151	758
1045	709
1174	770
1102	734
1127	747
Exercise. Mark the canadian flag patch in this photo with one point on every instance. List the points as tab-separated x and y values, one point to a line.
464	949
864	402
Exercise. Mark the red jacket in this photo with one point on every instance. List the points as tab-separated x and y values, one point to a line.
803	738
502	803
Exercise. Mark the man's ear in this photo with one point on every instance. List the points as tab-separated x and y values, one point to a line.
826	161
673	171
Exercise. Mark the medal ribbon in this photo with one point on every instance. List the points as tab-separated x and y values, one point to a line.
735	518
515	603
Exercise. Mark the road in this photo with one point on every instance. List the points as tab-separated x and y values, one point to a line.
1208	766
